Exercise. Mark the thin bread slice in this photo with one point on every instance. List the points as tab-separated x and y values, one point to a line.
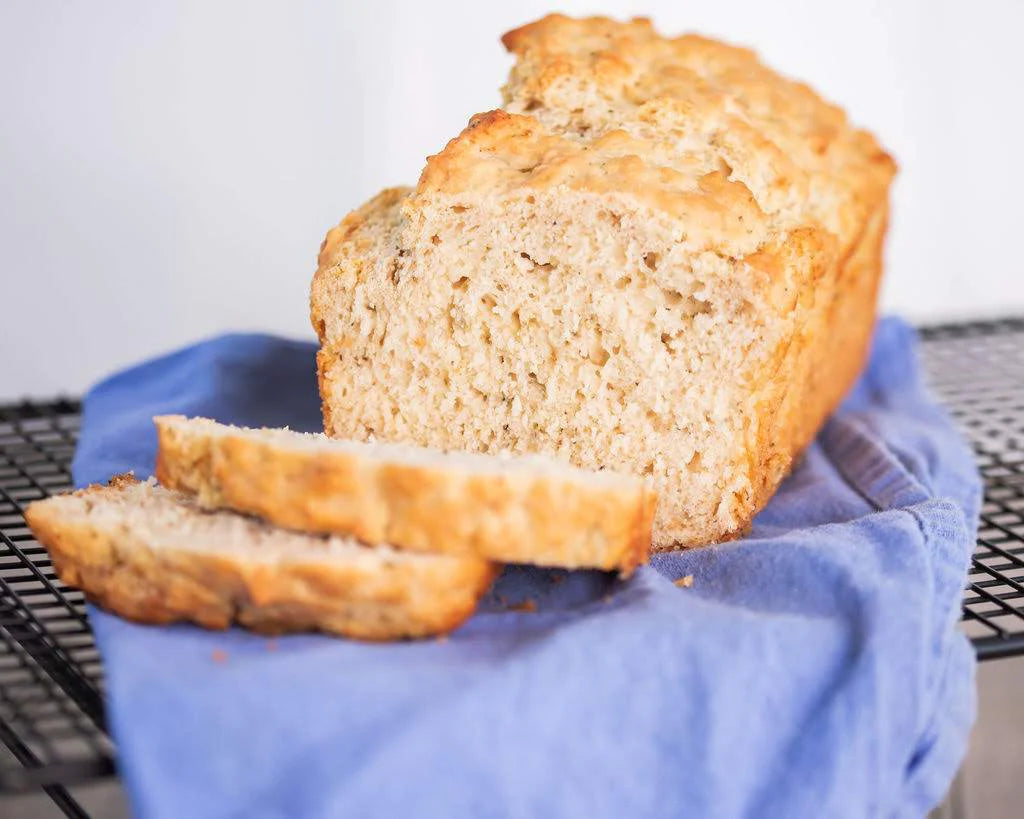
154	556
523	509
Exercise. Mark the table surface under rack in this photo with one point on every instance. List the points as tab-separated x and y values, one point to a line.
51	683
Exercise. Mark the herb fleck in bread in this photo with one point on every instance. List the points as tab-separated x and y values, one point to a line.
659	257
153	555
515	510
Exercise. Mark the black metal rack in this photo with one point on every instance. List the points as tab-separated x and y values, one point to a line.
977	369
51	686
51	691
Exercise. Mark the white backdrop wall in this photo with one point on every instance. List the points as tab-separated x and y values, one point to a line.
168	169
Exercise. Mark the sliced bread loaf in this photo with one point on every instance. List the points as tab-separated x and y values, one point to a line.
527	509
660	257
155	556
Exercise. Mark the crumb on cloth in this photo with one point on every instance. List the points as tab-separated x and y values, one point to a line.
219	655
525	605
684	582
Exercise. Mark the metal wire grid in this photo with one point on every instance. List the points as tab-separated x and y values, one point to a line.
51	689
51	702
977	369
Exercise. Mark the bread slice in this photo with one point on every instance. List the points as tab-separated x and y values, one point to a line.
511	509
660	257
154	556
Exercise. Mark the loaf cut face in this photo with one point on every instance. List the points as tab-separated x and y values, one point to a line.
526	509
658	257
155	556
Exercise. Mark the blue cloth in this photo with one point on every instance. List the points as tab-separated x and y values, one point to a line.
814	668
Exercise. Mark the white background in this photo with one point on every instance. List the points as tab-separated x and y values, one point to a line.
168	170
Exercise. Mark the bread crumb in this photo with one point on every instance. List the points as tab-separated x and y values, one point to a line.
525	605
219	656
684	582
556	577
271	645
442	638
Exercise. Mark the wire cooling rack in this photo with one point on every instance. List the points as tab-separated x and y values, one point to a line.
977	370
51	688
51	694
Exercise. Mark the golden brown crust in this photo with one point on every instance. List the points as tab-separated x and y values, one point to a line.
121	571
796	151
827	356
513	155
348	228
551	519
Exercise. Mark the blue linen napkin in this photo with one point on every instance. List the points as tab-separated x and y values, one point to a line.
813	668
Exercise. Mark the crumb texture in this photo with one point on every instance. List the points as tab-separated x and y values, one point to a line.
658	257
155	556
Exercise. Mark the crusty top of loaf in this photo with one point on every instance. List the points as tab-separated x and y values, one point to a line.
743	163
501	153
689	126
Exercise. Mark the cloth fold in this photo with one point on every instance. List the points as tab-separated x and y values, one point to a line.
813	668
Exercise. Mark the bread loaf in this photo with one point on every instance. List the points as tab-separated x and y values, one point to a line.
153	555
514	510
659	257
